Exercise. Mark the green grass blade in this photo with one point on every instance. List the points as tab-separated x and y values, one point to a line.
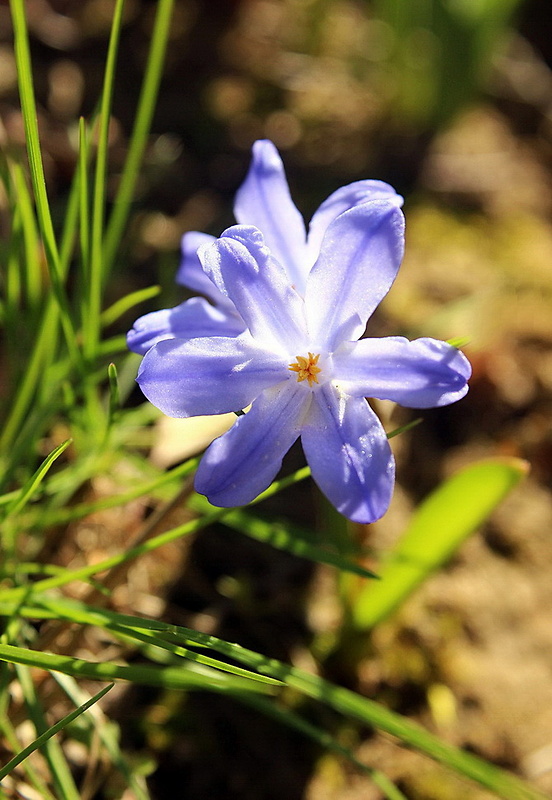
503	784
51	748
107	733
27	389
31	773
293	720
437	529
32	485
98	273
28	107
44	737
111	314
344	701
63	515
144	114
284	537
171	677
187	528
177	650
31	262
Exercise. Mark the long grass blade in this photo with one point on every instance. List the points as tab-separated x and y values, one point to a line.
59	768
344	701
144	115
44	737
28	107
97	273
171	677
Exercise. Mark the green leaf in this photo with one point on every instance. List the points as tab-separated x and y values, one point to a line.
437	529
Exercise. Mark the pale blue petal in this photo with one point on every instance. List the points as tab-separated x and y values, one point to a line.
242	267
359	259
208	375
190	273
349	455
342	200
244	461
420	374
193	318
264	200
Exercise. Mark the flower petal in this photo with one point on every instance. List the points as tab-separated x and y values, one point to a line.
339	201
193	318
420	374
360	255
264	200
207	375
244	461
349	455
190	272
241	265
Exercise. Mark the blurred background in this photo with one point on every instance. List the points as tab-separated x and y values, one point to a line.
451	102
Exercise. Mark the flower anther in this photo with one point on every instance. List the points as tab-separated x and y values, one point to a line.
306	368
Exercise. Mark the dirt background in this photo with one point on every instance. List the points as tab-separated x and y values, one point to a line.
470	655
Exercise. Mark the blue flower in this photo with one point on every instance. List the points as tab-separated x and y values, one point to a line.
283	335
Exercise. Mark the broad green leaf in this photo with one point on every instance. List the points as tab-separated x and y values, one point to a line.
437	529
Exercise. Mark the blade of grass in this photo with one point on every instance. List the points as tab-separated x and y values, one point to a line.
98	272
32	485
293	720
120	307
282	536
106	730
31	262
171	677
31	773
44	737
344	701
63	515
28	107
177	650
51	748
144	115
148	546
36	368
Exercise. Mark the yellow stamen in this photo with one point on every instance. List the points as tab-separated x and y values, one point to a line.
306	368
